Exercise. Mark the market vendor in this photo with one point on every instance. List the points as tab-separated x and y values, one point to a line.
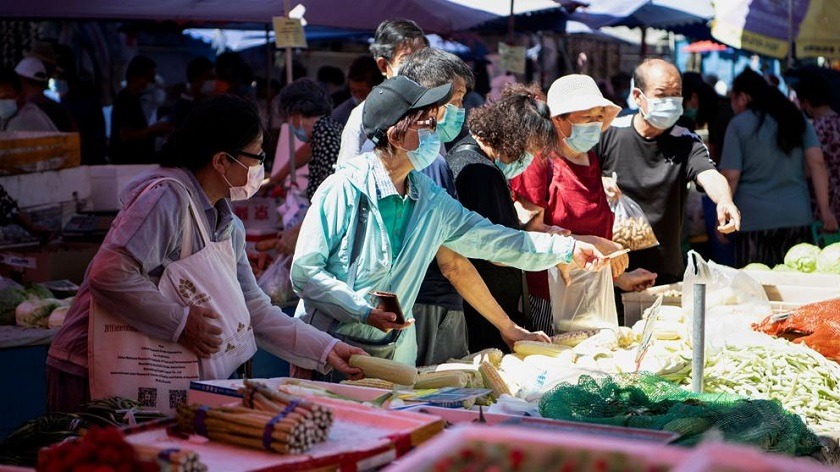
214	158
654	160
377	223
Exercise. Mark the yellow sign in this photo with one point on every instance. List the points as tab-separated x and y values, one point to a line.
511	58
288	32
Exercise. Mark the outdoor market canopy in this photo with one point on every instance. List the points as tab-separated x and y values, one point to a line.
440	16
768	26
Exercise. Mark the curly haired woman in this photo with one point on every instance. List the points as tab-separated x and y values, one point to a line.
504	136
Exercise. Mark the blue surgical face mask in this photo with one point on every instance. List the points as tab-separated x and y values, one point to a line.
299	133
512	169
427	149
450	126
691	113
584	136
8	108
663	113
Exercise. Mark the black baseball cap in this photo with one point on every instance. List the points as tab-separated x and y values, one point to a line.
394	98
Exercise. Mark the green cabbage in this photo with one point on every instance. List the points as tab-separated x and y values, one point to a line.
783	268
802	257
828	261
10	298
756	266
35	312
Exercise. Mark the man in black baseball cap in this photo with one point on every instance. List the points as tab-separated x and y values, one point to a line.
395	98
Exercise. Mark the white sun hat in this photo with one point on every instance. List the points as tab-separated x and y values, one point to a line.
577	92
31	68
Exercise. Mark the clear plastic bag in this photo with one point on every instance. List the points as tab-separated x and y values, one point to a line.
631	227
587	302
734	301
276	281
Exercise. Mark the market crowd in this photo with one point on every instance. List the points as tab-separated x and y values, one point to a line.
489	221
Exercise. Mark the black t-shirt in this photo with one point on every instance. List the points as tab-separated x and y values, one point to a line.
482	188
655	173
127	114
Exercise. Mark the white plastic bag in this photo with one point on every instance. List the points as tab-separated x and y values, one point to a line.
293	208
587	302
276	281
631	227
734	300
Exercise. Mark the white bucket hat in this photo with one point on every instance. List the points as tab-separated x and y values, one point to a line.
32	68
577	92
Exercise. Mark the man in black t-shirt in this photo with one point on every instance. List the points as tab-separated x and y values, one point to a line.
655	160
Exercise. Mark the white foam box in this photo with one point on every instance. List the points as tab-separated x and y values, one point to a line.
635	303
785	290
797	287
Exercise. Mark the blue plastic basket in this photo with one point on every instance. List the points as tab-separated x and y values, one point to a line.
823	239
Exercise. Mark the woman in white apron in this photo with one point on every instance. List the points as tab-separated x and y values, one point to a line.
170	296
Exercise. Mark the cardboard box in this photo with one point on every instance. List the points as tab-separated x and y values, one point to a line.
54	261
26	151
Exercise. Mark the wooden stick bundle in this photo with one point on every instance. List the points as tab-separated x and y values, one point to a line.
171	460
270	420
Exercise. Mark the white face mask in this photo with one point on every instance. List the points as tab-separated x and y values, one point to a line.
256	174
662	113
8	107
208	87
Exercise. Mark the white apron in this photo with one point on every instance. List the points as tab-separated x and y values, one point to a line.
127	363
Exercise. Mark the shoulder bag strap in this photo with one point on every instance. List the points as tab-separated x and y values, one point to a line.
186	238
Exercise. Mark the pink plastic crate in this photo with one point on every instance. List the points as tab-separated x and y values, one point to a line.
536	444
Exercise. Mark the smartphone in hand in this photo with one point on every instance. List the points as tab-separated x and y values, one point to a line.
389	302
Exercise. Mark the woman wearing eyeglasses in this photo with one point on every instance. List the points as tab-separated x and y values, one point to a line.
377	223
170	295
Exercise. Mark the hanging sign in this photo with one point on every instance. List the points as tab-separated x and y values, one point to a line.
288	32
511	58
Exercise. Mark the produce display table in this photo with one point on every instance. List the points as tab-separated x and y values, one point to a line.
361	438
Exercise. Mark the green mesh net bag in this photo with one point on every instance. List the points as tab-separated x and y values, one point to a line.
651	402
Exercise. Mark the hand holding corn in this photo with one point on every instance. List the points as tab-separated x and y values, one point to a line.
339	358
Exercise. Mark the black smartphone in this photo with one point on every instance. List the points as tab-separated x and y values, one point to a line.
389	302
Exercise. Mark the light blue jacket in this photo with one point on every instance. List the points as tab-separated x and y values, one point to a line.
321	273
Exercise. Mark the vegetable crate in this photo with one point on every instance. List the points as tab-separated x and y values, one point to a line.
484	448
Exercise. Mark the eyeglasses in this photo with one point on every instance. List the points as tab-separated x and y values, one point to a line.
428	123
260	157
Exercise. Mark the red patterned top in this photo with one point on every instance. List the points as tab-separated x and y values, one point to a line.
573	198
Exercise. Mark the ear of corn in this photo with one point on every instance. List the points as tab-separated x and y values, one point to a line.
451	378
370	382
527	348
573	338
392	371
457	366
493	380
